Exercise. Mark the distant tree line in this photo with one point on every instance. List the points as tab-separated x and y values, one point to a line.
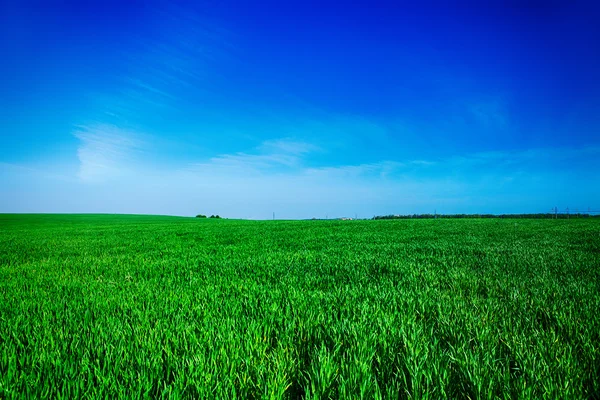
204	216
534	216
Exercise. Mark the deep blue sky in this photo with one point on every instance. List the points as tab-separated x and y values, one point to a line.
298	108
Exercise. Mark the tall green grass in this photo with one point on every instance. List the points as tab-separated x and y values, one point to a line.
137	306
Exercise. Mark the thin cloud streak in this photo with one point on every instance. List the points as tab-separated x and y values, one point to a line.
269	155
166	69
274	154
104	151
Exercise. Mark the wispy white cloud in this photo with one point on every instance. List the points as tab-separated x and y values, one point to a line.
380	169
271	155
168	68
291	158
105	151
144	87
288	146
245	161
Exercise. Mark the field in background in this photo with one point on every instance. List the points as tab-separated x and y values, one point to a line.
130	306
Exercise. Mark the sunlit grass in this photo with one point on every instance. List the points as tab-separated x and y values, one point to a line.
135	306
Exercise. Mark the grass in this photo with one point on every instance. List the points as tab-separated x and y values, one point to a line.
142	306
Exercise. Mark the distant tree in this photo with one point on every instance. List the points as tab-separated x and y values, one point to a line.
215	216
200	216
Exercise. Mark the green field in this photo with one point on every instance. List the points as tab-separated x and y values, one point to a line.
141	306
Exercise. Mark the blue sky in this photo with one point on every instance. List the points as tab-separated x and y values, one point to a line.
303	109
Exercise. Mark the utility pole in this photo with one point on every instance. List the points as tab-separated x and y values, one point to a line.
273	215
